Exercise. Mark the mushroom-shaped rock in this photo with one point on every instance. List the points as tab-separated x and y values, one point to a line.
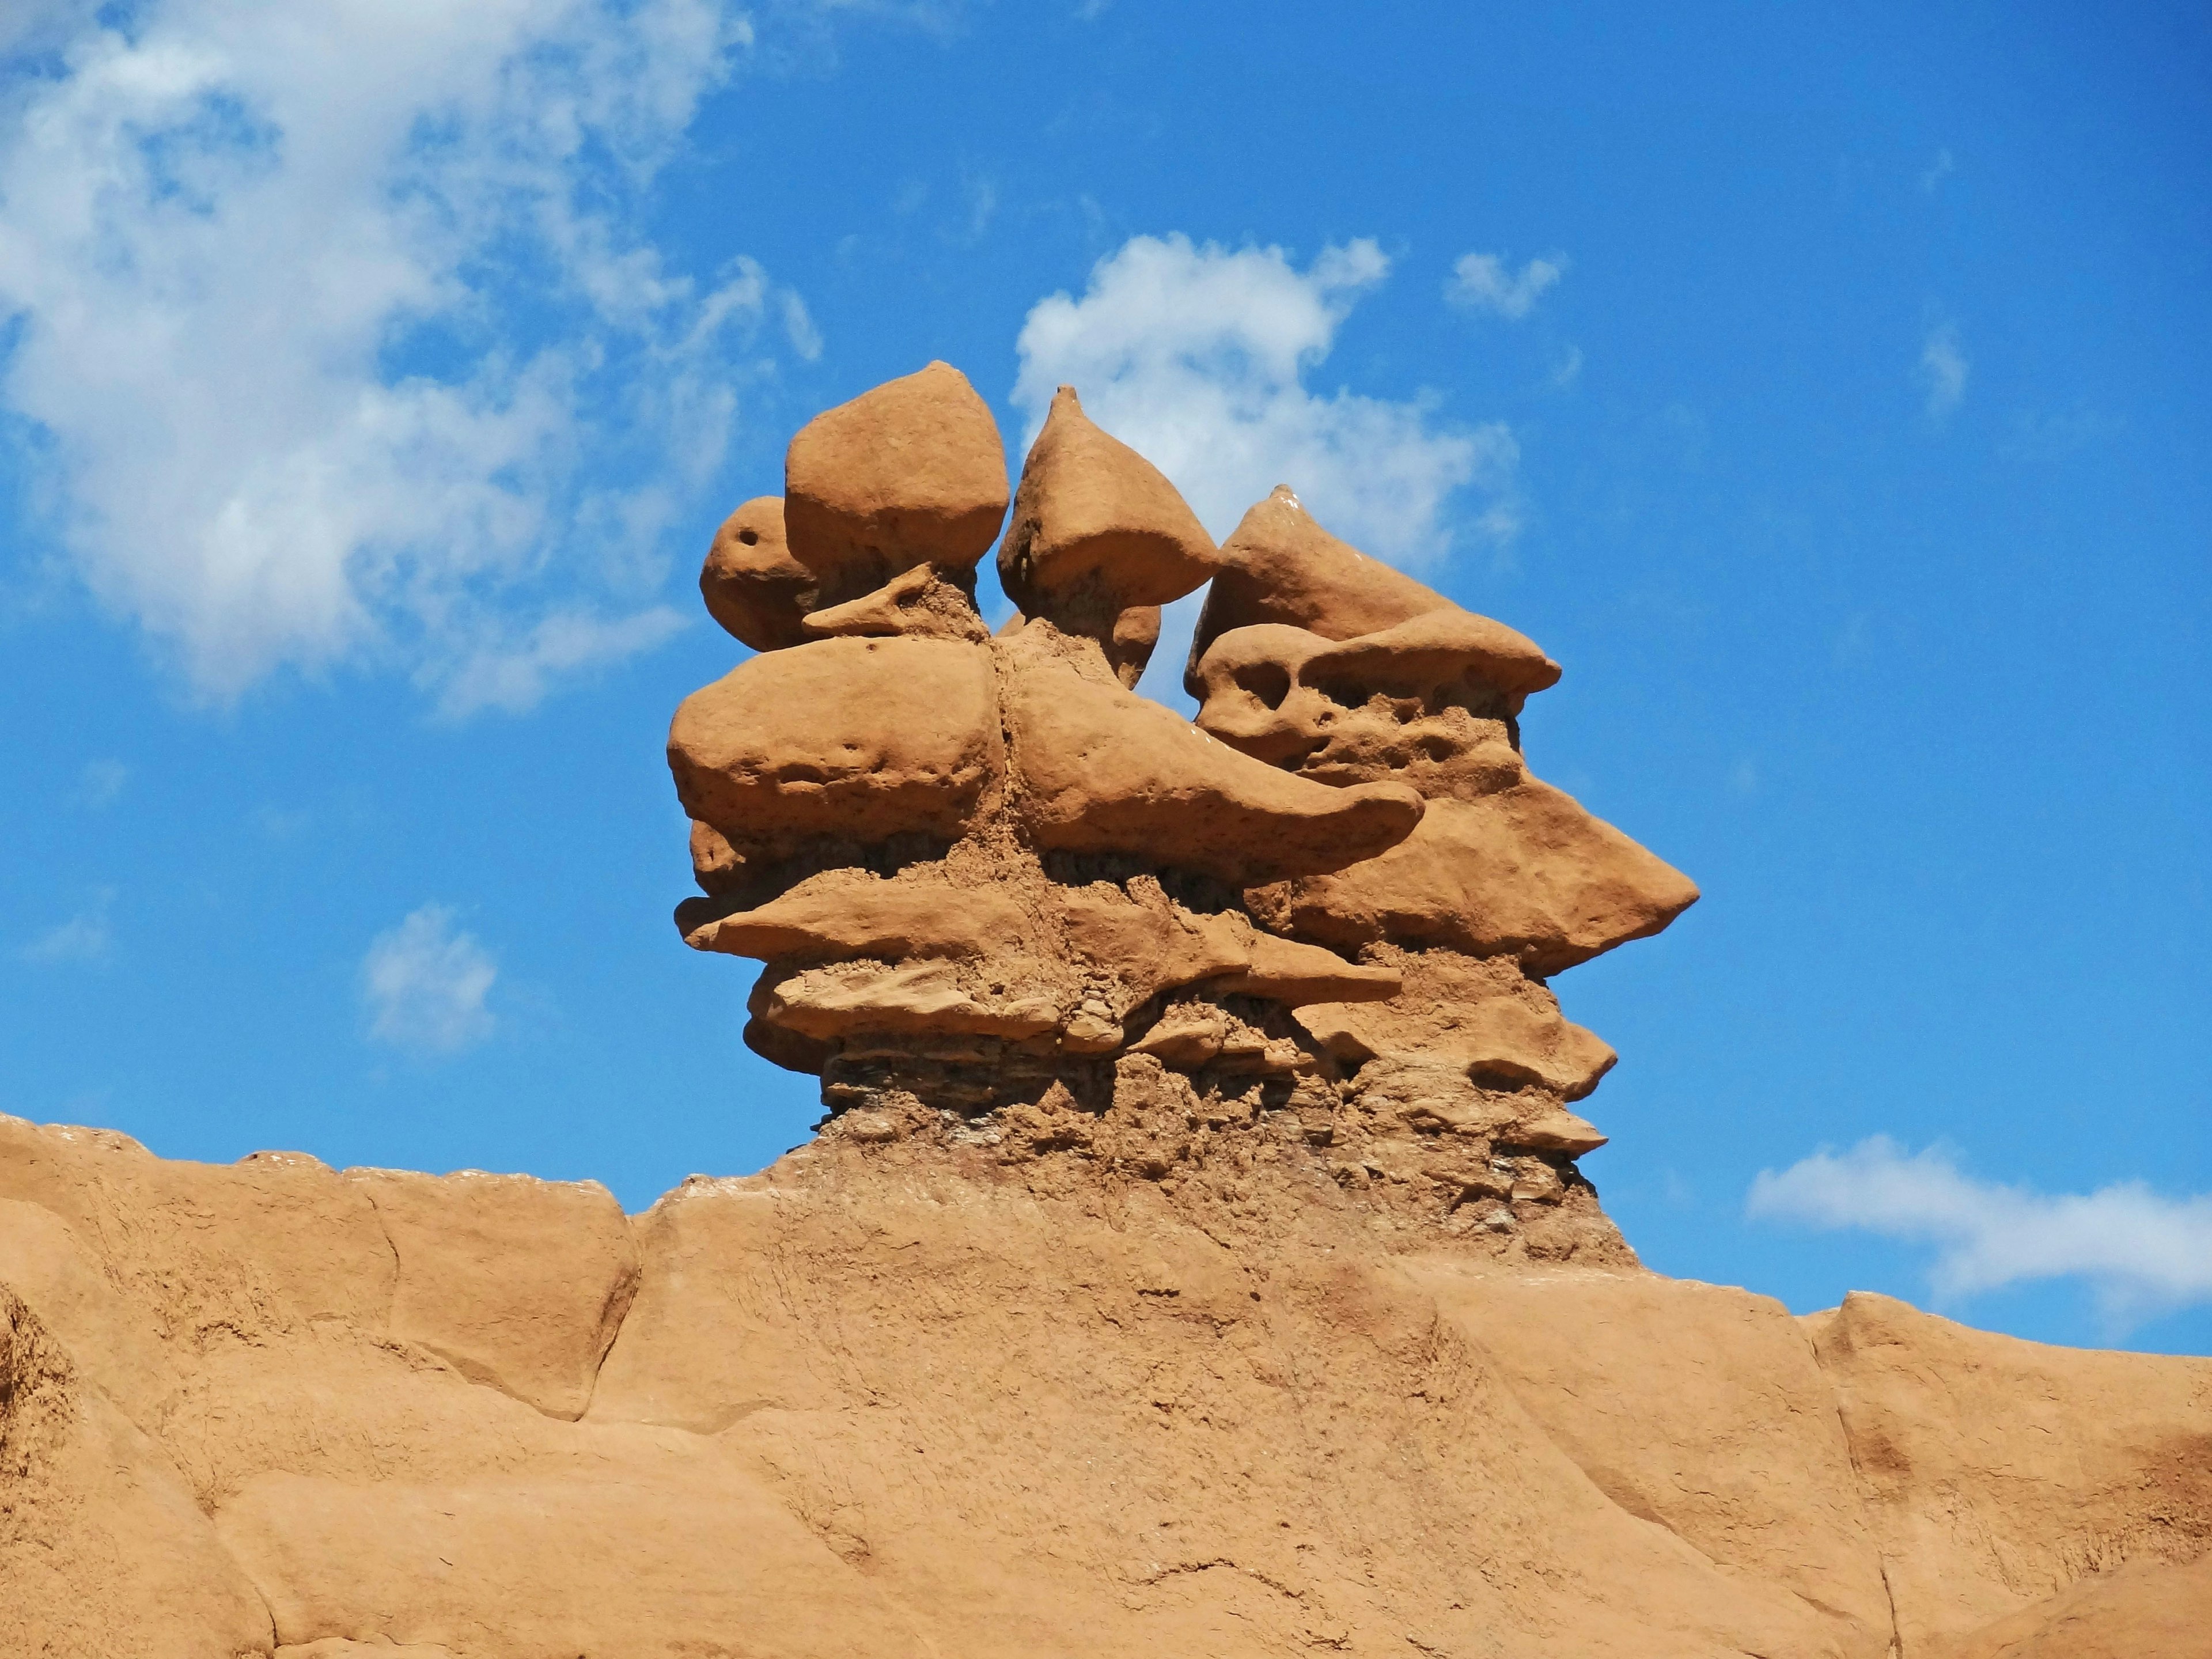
1102	769
1285	971
1279	565
1096	528
858	738
1525	872
843	913
752	584
917	603
912	472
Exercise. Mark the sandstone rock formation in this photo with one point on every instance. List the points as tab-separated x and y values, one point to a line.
1194	1259
986	876
1003	1397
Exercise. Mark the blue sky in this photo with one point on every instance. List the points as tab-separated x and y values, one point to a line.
1824	387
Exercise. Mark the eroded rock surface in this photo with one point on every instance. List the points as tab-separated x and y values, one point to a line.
1053	1382
984	876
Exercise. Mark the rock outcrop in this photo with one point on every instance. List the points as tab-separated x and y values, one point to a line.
1009	1396
987	879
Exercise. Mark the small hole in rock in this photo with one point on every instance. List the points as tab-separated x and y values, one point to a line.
750	537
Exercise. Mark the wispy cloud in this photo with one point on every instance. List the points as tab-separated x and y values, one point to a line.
343	325
1484	282
1943	370
85	937
513	674
425	983
1197	357
1937	171
2142	1252
101	782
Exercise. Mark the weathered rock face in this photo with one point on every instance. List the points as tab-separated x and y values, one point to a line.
985	876
1054	1383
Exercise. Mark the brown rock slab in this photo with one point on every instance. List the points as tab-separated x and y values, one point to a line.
665	1552
857	738
1097	529
912	472
1279	565
752	584
1700	1408
276	1242
102	1549
517	1283
1282	970
916	998
1178	1403
2143	1610
1104	771
1480	1017
842	913
1525	871
1998	1472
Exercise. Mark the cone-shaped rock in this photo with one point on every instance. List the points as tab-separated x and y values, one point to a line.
752	584
1096	528
912	472
1281	567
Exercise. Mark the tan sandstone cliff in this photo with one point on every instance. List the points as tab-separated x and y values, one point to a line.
888	1399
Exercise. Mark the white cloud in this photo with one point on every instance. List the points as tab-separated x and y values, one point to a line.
1937	171
1482	281
513	675
1196	357
2142	1252
1943	369
339	325
426	984
85	937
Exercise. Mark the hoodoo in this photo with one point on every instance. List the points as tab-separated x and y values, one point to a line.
987	878
1194	1259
